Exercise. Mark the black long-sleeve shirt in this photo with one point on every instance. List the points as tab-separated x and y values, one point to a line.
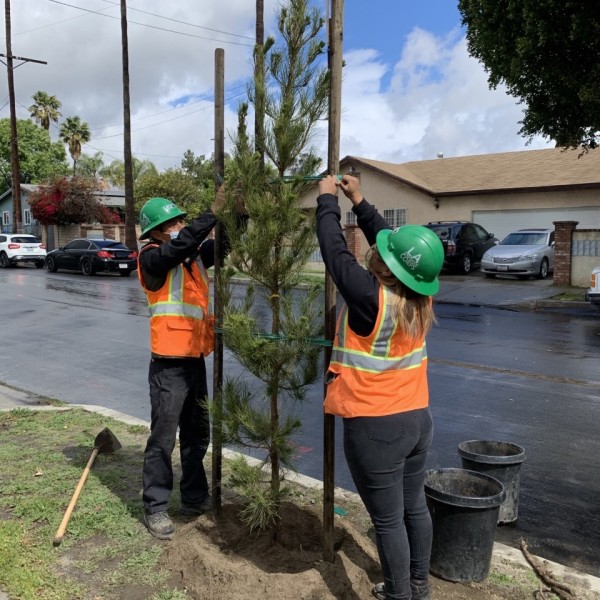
158	261
358	287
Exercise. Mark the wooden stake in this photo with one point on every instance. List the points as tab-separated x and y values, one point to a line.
333	158
217	440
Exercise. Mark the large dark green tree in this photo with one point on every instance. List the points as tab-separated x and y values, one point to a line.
39	157
277	349
173	184
547	53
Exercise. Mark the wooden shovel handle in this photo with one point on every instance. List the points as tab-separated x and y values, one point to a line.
60	532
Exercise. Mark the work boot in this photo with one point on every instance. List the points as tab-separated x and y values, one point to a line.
420	589
195	509
159	525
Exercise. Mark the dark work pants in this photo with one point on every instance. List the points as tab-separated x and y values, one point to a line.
178	393
386	457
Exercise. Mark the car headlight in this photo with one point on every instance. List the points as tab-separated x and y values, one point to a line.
487	256
529	256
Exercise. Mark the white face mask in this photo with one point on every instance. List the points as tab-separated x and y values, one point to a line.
174	234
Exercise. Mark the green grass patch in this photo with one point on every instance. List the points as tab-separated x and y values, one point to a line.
573	295
106	549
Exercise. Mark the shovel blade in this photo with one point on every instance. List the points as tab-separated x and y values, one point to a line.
106	441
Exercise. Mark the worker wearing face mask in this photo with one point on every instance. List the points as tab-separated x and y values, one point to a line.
172	269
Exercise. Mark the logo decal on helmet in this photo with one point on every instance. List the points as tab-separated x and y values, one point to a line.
410	260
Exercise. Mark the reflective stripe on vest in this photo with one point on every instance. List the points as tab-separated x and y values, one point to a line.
377	357
174	305
380	374
180	321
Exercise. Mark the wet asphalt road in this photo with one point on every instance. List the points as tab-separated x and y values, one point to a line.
528	378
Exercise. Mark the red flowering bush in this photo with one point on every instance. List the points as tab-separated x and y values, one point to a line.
70	200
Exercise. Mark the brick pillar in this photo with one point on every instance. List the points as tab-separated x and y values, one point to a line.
563	237
353	235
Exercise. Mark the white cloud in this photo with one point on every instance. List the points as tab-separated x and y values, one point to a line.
438	100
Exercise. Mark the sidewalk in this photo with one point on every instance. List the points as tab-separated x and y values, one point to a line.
11	399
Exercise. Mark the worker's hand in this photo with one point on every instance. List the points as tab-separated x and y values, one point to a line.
328	185
220	200
351	188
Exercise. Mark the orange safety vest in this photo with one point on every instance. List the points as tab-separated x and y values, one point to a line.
381	374
181	324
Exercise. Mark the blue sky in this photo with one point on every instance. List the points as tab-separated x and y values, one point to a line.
410	90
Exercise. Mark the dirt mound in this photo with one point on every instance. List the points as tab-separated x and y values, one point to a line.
222	560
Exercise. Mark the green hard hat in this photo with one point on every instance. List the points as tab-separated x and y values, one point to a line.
415	255
155	212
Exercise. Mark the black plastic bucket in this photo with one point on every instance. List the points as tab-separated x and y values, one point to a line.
501	460
464	509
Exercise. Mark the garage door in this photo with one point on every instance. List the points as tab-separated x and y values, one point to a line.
502	222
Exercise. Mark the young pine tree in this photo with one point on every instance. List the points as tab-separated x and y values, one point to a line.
280	349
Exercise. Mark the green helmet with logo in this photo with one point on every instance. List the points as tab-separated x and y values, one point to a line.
155	212
415	255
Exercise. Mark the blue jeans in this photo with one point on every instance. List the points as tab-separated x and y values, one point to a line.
386	457
178	393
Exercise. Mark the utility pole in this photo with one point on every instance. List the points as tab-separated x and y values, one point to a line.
219	156
335	30
130	234
14	144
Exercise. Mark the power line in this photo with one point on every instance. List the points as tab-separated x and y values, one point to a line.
182	22
55	23
153	26
162	112
104	137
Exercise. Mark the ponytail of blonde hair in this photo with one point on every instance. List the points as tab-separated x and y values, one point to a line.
411	312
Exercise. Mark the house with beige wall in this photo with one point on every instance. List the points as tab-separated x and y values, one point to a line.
501	192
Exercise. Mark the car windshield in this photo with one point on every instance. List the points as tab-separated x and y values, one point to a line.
110	244
524	239
25	240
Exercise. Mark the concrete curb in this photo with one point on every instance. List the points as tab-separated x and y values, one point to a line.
501	552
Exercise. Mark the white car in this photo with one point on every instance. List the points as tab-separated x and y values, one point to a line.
524	253
593	293
21	248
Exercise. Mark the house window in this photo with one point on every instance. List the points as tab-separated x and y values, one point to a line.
350	218
395	217
6	218
27	219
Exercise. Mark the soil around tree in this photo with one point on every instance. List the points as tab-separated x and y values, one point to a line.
220	559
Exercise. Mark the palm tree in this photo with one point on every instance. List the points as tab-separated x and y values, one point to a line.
44	109
74	132
115	171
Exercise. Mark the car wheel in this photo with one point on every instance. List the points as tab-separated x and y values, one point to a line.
39	264
87	268
51	265
466	264
543	273
124	273
490	275
4	262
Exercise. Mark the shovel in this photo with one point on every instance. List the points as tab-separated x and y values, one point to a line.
105	442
